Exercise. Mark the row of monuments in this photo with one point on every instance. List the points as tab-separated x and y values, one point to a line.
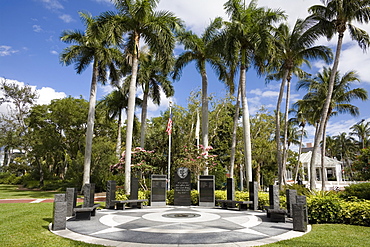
182	189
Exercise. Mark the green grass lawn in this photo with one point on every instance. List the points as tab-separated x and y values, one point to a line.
26	224
12	192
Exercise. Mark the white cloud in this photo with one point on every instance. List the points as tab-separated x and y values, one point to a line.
6	50
45	94
54	52
52	4
36	28
66	18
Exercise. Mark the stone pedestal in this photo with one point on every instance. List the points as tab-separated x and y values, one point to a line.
134	194
206	190
59	212
299	217
274	198
230	189
89	193
291	198
71	198
182	187
253	195
158	191
110	194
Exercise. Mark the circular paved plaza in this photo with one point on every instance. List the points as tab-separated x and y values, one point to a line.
178	226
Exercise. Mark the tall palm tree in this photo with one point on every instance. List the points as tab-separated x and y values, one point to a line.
293	49
362	131
335	17
152	78
200	49
89	47
114	103
346	150
341	97
136	21
247	35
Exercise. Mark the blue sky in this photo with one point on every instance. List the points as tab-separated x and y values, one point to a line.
30	45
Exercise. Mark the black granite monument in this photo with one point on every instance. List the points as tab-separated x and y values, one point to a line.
206	190
182	187
59	212
158	192
110	194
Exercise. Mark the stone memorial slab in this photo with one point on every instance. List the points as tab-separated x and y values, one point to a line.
71	198
291	198
134	194
300	219
303	200
158	191
59	212
253	195
274	198
182	187
230	189
89	192
110	194
206	190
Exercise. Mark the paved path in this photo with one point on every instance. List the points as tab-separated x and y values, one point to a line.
178	226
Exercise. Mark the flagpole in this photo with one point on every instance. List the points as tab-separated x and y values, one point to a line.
169	153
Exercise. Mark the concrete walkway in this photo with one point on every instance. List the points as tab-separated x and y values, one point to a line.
178	226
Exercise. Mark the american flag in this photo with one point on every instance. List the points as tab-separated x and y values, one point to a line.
169	125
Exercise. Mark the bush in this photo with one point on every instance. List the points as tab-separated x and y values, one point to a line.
301	189
360	190
356	212
170	197
324	208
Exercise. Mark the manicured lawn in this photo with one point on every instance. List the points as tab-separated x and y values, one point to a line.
26	224
12	192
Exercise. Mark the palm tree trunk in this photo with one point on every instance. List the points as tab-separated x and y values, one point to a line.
299	156
90	125
205	112
235	126
277	131
246	123
119	135
285	148
144	110
130	115
323	157
325	110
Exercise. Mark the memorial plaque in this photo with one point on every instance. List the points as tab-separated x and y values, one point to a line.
300	218
89	192
182	187
110	194
71	198
134	194
274	198
291	196
253	195
207	191
59	212
230	187
158	192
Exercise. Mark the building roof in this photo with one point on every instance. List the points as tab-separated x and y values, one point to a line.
328	162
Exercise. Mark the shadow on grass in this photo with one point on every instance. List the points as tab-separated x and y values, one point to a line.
48	220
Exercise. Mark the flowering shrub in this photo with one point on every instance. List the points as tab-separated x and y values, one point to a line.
141	161
196	158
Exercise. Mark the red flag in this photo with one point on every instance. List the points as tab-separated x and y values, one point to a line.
169	126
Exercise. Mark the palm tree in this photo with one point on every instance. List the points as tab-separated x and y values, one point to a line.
335	17
114	103
152	79
137	20
346	150
362	131
90	47
341	97
200	49
247	37
293	49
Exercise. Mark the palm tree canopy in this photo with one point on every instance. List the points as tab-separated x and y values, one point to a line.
91	46
342	93
336	16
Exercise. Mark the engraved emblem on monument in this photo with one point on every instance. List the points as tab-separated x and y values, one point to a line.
182	172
